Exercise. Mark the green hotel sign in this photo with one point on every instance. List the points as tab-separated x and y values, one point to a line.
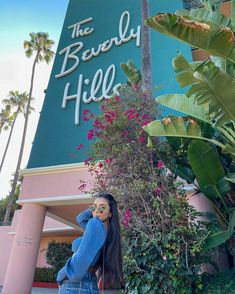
102	85
97	36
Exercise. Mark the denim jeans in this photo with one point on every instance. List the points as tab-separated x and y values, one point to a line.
88	285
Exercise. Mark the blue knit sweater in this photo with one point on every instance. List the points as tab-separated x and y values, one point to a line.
87	249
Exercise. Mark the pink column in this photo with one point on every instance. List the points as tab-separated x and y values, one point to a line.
24	252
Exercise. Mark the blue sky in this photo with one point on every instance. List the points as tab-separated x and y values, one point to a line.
17	19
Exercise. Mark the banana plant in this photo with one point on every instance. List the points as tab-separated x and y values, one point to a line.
133	74
209	99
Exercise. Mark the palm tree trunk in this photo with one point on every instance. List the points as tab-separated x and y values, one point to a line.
146	50
8	141
16	175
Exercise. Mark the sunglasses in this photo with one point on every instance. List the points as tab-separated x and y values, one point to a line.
100	209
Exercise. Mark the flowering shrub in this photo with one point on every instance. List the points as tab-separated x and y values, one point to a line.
162	241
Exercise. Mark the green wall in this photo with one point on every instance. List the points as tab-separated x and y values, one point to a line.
60	130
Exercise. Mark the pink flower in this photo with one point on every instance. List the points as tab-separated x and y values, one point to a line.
145	122
86	161
141	139
108	118
117	98
85	111
113	114
100	165
130	113
98	124
157	190
128	214
79	147
124	133
90	134
145	116
103	107
84	118
127	217
108	160
82	186
160	164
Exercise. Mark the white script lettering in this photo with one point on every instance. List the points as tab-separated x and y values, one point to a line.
77	31
106	80
88	54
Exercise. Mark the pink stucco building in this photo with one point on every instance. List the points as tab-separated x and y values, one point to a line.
46	215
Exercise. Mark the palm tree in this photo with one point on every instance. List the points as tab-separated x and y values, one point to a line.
41	45
5	118
18	101
146	50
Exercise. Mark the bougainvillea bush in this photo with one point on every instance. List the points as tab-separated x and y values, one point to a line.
162	241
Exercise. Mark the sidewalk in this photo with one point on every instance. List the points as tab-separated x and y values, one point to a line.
40	291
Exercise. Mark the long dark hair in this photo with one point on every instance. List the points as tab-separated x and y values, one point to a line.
110	269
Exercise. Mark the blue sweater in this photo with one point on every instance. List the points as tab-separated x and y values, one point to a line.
86	249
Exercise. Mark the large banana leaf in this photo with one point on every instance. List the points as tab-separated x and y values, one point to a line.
177	127
185	70
231	178
218	42
222	236
228	133
207	168
182	103
132	72
216	240
212	87
177	162
213	18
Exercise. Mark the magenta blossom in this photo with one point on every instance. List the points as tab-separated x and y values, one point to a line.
141	139
157	190
127	217
160	165
100	165
82	186
90	134
98	124
124	134
85	111
103	107
109	160
86	161
79	147
145	116
84	118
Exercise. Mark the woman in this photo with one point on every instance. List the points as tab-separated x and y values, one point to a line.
98	251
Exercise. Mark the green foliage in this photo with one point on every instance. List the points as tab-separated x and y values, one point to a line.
169	260
217	41
210	99
45	274
15	206
132	73
41	44
221	283
208	169
57	254
162	241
